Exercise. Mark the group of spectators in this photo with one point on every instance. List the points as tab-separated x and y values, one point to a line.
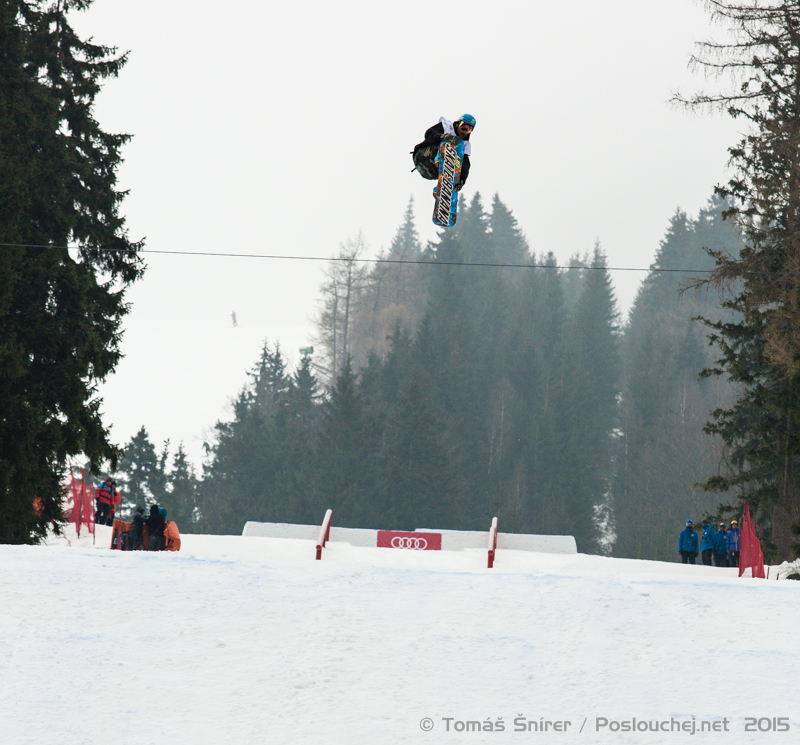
155	533
720	546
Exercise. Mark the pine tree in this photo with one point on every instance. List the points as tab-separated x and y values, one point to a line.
180	500
761	352
510	245
137	472
239	480
590	415
60	311
662	452
297	490
537	469
349	444
421	483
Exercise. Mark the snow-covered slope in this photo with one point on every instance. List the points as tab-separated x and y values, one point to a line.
249	640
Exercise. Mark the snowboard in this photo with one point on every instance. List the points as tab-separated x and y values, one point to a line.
449	159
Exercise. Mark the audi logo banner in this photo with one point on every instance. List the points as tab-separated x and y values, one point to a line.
410	541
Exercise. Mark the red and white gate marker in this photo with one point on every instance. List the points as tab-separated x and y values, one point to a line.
492	541
410	541
324	533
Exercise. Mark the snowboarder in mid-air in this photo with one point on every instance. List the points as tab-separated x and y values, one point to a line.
425	153
444	155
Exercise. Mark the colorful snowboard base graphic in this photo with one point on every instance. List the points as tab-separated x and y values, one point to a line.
449	158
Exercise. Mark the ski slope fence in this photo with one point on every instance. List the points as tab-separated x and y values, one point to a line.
419	539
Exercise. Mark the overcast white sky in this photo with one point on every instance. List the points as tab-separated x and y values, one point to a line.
285	127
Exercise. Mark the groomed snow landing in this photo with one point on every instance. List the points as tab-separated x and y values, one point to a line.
250	641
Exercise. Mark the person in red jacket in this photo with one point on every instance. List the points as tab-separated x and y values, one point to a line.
106	498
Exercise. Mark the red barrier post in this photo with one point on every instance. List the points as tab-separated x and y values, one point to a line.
324	533
492	541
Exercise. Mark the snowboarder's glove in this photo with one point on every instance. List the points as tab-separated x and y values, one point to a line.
460	186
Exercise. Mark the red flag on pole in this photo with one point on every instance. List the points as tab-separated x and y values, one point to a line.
77	503
88	504
751	554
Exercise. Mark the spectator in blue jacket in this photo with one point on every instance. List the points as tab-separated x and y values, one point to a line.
720	547
707	543
687	544
732	544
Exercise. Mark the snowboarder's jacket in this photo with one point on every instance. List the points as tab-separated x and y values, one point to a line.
732	540
107	493
425	152
688	541
708	538
720	546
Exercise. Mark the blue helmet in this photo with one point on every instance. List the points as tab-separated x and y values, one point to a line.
468	119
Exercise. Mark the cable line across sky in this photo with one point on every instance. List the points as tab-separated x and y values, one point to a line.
359	260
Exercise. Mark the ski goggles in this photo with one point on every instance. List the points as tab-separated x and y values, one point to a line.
466	127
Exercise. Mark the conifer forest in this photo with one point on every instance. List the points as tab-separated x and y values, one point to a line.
470	378
451	381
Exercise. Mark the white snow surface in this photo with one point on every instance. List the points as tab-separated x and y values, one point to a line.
240	640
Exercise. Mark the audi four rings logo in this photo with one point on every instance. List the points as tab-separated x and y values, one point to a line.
415	544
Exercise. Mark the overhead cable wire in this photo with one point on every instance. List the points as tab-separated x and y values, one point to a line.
370	261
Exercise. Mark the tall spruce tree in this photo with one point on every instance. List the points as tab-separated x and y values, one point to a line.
60	310
138	472
539	461
349	446
239	480
761	352
420	481
591	415
180	499
395	293
662	452
297	491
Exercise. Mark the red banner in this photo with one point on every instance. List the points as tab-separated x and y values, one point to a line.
751	554
410	541
87	497
76	503
82	503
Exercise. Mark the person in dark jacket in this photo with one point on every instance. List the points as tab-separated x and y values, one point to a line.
687	544
137	529
155	529
732	543
707	543
720	547
424	154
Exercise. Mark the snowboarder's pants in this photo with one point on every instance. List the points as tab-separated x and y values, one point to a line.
424	162
103	514
687	557
707	556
